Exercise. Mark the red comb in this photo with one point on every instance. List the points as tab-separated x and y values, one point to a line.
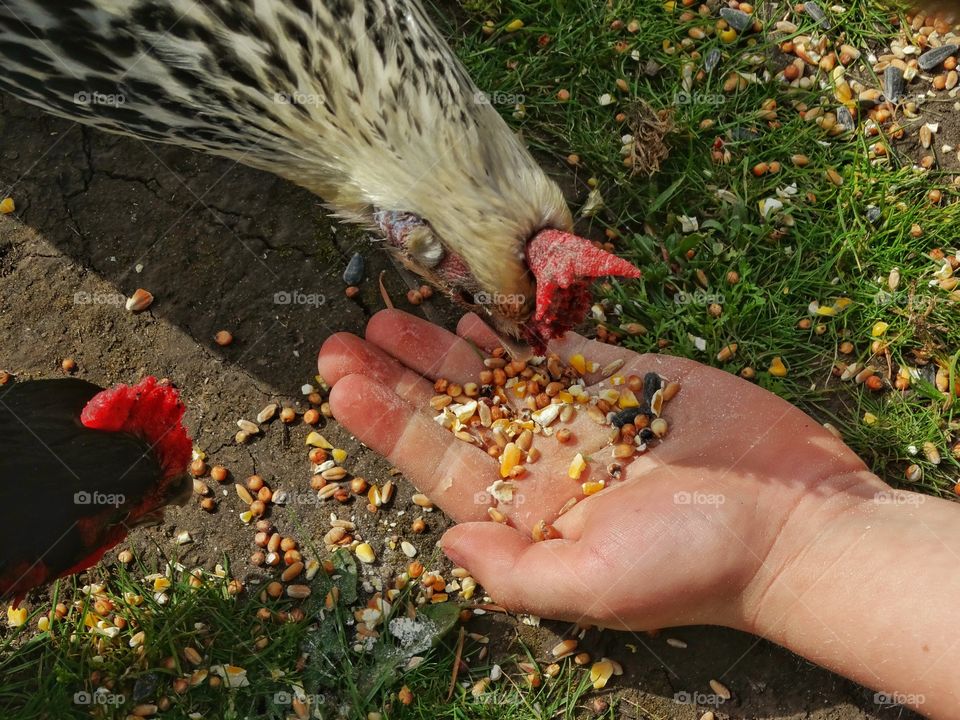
563	264
150	410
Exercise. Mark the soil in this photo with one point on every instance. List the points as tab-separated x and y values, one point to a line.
216	242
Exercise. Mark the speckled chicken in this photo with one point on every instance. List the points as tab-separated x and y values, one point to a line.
360	101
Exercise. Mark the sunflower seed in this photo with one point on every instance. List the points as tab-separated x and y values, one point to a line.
933	57
738	19
353	275
893	83
817	14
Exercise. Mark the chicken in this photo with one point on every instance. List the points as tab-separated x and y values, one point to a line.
362	103
80	467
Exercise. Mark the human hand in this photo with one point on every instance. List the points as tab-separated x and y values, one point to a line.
696	529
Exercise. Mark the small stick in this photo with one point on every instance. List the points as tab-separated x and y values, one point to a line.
456	663
383	292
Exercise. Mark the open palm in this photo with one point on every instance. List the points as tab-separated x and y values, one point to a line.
686	535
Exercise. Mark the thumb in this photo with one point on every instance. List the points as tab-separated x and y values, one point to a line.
541	578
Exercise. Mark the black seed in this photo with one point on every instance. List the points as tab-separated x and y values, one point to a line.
738	19
893	83
845	118
817	13
625	417
931	58
651	383
353	275
711	60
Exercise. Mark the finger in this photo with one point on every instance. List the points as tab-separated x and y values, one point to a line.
424	347
537	578
452	473
473	329
344	354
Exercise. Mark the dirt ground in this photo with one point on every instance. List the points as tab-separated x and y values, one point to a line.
217	242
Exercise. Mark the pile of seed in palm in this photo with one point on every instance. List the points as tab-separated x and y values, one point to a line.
517	403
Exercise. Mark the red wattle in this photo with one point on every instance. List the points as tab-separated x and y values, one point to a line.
150	410
563	264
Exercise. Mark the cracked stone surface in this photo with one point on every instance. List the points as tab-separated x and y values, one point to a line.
216	242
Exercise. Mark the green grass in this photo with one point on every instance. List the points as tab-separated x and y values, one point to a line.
830	251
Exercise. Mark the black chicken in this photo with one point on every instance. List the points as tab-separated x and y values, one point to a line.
81	466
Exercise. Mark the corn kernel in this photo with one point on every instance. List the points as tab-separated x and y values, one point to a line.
777	368
16	617
600	673
510	459
628	399
315	439
338	455
579	363
577	466
592	488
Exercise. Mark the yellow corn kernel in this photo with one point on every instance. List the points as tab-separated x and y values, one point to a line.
16	617
338	455
627	399
777	368
509	459
577	466
591	488
315	439
7	206
600	673
879	328
579	363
